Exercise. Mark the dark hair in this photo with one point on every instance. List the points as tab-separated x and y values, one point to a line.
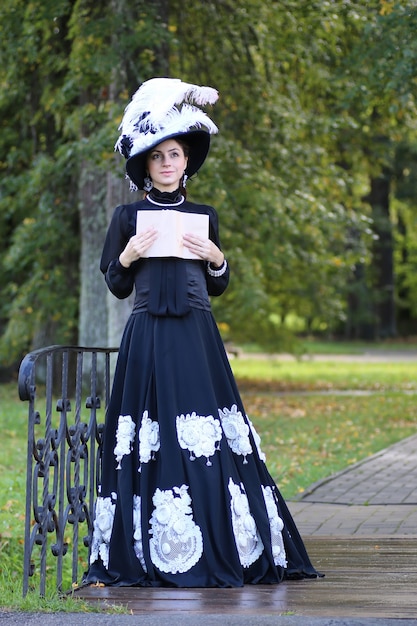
184	145
186	149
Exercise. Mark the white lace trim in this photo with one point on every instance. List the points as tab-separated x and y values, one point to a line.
103	527
199	434
124	438
149	441
137	531
248	541
276	525
257	441
236	430
176	544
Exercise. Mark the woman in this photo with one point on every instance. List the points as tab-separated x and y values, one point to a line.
186	499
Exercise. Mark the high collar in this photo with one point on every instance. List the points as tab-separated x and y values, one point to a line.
165	197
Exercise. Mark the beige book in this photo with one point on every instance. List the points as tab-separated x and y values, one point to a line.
171	226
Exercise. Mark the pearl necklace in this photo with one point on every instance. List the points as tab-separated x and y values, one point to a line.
164	204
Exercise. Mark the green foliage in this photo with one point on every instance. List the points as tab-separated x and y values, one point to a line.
57	62
41	295
316	99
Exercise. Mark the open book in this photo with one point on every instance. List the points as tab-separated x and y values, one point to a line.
171	226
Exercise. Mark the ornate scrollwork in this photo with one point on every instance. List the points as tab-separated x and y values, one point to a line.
63	456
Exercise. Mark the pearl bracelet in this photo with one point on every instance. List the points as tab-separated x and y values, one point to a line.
219	272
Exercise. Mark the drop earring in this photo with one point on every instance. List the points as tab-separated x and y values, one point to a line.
184	180
147	183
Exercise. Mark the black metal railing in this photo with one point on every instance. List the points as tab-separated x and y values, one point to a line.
63	459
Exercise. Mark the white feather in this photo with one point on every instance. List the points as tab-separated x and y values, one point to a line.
158	95
164	106
176	121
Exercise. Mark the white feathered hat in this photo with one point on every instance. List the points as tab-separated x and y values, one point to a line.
162	108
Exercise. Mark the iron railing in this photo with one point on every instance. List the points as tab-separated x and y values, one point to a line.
63	459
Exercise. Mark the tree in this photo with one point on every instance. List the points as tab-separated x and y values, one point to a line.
39	229
302	112
381	98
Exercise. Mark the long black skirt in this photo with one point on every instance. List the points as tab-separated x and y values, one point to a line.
186	499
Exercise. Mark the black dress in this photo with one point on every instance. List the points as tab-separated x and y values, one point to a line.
186	499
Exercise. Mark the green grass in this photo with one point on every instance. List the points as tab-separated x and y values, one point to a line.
275	374
306	437
12	487
310	346
321	346
13	424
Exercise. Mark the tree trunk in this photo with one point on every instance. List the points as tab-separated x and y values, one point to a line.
93	223
118	311
405	321
106	327
383	257
360	309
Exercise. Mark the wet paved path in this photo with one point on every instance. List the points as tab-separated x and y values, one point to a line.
377	496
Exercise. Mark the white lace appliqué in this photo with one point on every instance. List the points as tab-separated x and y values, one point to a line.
236	431
276	525
257	441
149	441
137	531
199	434
248	541
103	526
124	438
176	543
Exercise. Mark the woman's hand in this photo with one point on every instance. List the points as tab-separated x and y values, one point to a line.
137	246
204	248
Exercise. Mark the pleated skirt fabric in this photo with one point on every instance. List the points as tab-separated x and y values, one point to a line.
186	499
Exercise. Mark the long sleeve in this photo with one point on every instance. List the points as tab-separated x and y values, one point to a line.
120	280
216	285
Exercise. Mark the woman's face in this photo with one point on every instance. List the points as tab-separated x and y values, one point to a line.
166	164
